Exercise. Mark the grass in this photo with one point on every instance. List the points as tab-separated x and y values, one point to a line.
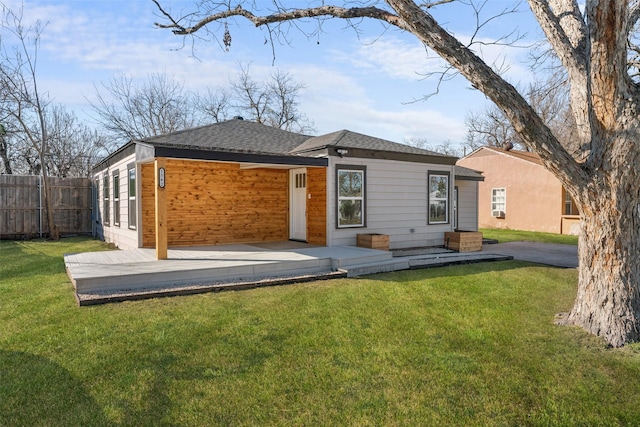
505	235
464	345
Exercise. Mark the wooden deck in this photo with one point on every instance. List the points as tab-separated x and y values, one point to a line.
96	274
111	276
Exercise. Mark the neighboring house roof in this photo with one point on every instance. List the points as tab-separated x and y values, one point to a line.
466	174
518	154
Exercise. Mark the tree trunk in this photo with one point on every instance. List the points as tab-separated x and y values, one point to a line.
53	229
608	299
4	155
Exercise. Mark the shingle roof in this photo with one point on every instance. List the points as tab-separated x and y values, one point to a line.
349	139
467	174
238	136
244	136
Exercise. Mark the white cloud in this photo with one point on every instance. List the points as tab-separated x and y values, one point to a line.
392	56
405	58
87	45
396	126
335	100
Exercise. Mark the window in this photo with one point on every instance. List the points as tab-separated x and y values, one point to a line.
438	198
498	202
569	204
350	206
96	201
132	196
105	199
116	198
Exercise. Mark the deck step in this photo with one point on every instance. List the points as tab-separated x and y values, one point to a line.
377	267
455	259
365	258
417	262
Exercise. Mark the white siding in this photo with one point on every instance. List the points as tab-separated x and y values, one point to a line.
396	203
121	236
467	205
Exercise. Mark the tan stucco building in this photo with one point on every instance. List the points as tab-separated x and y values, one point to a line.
519	193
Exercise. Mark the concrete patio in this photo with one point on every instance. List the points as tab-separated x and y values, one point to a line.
111	276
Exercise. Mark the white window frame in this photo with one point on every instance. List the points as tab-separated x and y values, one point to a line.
362	198
436	198
498	202
568	203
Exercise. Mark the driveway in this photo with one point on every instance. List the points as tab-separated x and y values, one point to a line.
543	253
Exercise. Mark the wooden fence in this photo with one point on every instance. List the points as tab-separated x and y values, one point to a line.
23	213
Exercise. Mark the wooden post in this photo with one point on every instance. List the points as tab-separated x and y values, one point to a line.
161	208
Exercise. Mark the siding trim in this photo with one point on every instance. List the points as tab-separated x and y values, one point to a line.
362	153
223	156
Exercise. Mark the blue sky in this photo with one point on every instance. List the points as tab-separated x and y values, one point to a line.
363	82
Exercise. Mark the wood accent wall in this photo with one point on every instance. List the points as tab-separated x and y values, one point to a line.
148	214
317	206
212	203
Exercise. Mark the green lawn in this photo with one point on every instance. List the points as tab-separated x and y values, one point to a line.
504	236
464	345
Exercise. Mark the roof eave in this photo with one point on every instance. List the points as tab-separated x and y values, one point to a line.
237	157
391	155
111	158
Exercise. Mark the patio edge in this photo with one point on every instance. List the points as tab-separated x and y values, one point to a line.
85	300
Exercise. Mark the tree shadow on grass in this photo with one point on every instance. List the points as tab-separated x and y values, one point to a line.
23	261
36	391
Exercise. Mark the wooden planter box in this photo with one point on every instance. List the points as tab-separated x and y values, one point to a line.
463	241
373	241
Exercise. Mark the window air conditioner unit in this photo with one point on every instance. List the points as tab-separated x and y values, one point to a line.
497	214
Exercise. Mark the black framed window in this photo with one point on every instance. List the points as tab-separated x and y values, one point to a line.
438	188
350	196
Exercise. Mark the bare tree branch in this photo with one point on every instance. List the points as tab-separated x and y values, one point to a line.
332	11
26	104
129	112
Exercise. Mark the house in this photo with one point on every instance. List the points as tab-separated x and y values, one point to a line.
519	193
239	182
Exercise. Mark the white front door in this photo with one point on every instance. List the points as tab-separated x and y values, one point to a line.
298	204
